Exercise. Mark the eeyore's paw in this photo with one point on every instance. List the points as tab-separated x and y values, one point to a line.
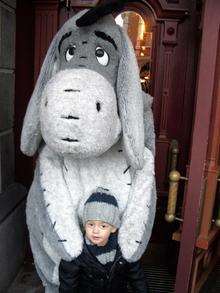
130	245
59	248
70	247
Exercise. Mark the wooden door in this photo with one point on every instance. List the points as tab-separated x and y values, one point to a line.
199	235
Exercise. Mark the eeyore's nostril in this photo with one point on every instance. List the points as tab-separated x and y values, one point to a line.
72	90
70	117
83	57
98	106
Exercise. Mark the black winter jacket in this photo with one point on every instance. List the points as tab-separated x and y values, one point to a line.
86	274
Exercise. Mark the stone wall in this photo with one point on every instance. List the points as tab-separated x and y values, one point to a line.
12	194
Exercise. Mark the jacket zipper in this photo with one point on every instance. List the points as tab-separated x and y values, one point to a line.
96	261
112	268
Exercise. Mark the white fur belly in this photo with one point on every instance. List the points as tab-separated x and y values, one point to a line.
109	171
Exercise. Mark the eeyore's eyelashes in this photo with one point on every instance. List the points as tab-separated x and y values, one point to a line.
67	35
70	117
70	139
106	37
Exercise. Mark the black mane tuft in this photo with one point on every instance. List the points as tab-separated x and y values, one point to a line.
94	14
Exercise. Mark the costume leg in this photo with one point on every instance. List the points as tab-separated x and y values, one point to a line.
49	288
46	268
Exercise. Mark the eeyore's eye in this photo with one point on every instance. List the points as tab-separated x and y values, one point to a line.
101	56
70	52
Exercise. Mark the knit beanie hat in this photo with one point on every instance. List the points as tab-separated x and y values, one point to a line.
101	206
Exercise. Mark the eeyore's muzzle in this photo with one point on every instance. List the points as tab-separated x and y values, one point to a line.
78	113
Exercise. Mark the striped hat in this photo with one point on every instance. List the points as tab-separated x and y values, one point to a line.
101	206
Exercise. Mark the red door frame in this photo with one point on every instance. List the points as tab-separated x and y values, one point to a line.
204	93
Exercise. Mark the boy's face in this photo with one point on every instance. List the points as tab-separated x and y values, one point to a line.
98	232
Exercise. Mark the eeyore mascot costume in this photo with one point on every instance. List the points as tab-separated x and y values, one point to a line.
92	126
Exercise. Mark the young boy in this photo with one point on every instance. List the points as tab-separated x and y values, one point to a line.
100	268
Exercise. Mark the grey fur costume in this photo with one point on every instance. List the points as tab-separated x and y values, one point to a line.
97	129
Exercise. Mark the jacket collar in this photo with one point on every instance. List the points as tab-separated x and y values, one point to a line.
95	261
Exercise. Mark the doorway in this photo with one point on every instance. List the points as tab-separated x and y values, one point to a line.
166	43
160	259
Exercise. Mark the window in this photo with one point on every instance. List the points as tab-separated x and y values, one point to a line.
140	33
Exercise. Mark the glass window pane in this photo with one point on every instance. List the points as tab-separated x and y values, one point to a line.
141	35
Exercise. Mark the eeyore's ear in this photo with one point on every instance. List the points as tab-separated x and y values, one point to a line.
130	103
31	133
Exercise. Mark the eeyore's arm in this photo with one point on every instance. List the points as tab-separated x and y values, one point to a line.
138	218
149	133
60	210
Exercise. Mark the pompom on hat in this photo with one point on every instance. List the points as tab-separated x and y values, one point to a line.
102	206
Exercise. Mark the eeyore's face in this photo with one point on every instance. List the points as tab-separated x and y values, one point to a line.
79	113
89	75
79	105
96	48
